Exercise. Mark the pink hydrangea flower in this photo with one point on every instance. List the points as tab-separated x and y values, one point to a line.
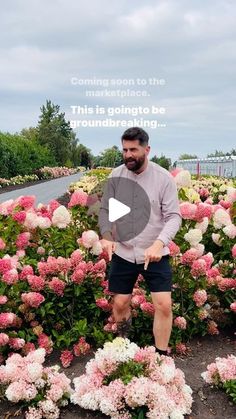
76	257
4	339
189	256
174	249
22	240
203	210
200	297
5	265
7	320
148	308
181	348
78	276
27	270
3	299
57	286
233	306
79	197
32	299
136	300
19	216
26	201
37	283
16	343
199	268
103	304
88	238
81	348
10	277
188	210
45	342
66	358
180	322
234	251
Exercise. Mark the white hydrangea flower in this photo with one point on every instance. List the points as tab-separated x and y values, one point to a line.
34	371
216	239
203	225
230	231
193	237
61	217
221	218
176	414
97	248
183	179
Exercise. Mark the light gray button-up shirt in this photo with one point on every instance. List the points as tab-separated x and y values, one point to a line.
165	217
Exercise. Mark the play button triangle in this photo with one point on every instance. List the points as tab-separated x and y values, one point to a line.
117	209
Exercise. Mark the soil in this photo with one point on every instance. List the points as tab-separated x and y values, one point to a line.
209	402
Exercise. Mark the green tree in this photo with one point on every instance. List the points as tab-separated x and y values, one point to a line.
110	157
30	133
85	157
186	156
219	153
54	132
162	161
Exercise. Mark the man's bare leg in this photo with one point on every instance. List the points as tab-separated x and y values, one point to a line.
122	313
162	324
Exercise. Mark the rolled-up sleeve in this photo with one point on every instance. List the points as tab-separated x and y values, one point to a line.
170	212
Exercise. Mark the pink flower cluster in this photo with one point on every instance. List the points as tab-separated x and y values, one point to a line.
45	342
180	322
161	388
79	348
79	197
200	297
220	371
25	379
32	299
197	211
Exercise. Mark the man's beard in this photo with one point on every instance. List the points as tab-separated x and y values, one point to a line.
134	164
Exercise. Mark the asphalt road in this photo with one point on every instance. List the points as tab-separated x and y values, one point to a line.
45	191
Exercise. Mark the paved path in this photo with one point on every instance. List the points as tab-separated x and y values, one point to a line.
45	191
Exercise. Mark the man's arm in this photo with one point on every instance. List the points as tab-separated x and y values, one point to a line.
172	218
105	225
170	212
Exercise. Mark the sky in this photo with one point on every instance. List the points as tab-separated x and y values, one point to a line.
51	49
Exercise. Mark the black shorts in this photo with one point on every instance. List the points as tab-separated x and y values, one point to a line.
123	275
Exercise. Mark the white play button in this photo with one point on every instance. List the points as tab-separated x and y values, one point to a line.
117	209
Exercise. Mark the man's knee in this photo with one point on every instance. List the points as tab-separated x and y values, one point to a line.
163	305
164	308
121	302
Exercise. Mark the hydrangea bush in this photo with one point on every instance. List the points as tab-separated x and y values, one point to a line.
222	374
125	381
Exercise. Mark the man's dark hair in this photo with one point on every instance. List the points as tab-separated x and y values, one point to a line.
136	133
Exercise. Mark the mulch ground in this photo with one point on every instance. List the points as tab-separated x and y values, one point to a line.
208	401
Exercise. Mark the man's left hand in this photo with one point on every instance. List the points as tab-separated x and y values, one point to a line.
153	253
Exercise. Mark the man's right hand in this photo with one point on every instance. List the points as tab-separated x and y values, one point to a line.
108	244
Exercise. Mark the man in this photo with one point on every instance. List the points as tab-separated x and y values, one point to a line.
147	253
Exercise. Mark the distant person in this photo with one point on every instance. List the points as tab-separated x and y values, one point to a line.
147	253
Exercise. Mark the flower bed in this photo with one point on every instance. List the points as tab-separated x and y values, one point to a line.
43	173
54	276
124	381
222	374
